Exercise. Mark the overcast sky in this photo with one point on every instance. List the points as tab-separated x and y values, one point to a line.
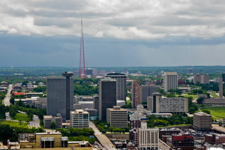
116	32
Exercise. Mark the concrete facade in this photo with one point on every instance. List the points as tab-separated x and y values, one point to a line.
148	138
157	104
147	90
56	98
202	121
117	117
121	91
107	96
201	78
170	81
79	119
48	119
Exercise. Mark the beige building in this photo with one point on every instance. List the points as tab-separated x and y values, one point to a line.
48	119
117	117
157	104
170	81
202	121
50	141
148	138
201	78
79	119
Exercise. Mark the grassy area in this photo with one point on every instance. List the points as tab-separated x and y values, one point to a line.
194	96
218	112
176	125
214	95
15	124
22	117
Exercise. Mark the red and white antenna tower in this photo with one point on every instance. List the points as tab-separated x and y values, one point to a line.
82	73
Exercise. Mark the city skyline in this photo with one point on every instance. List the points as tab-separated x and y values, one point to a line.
156	33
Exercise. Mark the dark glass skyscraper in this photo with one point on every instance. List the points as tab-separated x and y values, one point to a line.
121	92
56	98
107	96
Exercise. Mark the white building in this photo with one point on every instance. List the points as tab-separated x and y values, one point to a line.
79	119
157	104
148	138
170	81
86	104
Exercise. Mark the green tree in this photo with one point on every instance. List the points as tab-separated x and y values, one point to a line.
191	110
12	113
12	100
53	125
200	100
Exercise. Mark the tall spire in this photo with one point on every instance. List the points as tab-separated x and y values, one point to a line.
82	73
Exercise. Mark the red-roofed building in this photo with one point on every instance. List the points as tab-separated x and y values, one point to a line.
181	82
18	93
183	142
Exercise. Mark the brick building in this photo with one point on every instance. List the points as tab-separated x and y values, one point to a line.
215	138
183	142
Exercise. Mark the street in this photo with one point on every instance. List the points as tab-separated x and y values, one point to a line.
163	146
7	97
36	122
102	138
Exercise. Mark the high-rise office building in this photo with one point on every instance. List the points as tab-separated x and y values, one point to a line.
157	104
223	76
107	96
201	78
120	85
170	81
147	90
57	101
136	93
190	70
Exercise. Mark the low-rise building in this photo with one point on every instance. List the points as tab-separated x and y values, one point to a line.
117	117
202	121
166	131
54	140
79	119
48	119
183	142
215	138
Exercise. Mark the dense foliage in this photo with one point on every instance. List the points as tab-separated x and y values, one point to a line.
11	133
105	127
176	119
83	86
76	134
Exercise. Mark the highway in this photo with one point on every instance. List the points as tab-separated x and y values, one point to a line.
102	138
163	146
7	97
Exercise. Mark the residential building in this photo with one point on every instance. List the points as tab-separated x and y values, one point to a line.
117	117
50	140
79	119
215	138
60	96
201	78
107	96
136	93
170	81
157	104
121	91
170	131
147	90
148	138
202	121
4	83
48	119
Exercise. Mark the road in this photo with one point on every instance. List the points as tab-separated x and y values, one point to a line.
7	97
102	138
7	116
163	146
